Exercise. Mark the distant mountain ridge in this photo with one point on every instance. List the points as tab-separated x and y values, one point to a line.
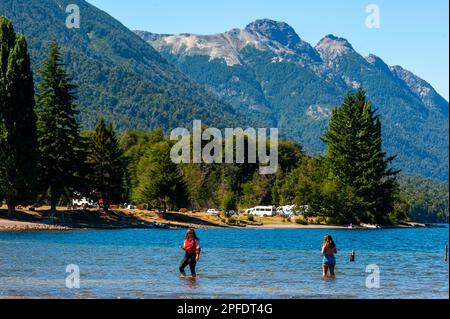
268	71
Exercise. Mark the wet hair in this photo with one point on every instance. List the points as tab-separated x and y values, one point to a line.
328	238
191	230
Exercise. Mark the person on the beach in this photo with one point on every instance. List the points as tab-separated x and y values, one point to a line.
329	260
192	250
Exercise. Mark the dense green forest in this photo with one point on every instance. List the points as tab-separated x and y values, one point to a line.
47	159
428	200
301	180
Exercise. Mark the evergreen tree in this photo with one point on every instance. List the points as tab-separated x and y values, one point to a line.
357	162
160	181
229	202
60	143
107	165
18	142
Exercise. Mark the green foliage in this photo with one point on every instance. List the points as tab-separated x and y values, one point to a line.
135	144
107	164
232	220
301	221
229	202
357	162
251	218
310	185
18	141
289	155
427	201
257	191
60	144
159	183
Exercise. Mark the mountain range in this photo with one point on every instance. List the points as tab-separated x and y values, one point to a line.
268	71
263	75
119	76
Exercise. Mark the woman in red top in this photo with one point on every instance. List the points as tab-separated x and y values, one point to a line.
192	250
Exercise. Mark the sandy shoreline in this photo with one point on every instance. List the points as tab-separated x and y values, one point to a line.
25	220
13	226
294	226
20	226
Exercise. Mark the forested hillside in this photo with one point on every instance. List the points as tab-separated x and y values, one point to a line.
118	76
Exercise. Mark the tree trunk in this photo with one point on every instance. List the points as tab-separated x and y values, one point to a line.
53	203
106	203
11	207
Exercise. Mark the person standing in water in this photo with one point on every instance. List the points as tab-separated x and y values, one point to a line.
192	250
329	260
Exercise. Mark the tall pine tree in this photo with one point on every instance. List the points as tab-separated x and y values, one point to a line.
18	142
357	161
107	164
60	144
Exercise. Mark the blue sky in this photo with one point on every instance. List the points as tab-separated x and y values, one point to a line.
413	33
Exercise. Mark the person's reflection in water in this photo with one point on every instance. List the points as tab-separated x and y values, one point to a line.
192	283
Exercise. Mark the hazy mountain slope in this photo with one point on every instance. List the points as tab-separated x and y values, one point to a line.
267	70
119	76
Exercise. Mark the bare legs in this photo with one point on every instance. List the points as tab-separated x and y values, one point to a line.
332	272
325	272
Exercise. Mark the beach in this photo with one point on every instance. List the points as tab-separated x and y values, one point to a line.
14	225
66	219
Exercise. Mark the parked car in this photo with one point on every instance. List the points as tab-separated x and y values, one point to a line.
213	211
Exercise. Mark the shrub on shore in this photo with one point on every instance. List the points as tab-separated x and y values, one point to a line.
301	221
232	220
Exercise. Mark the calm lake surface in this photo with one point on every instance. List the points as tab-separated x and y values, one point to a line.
235	264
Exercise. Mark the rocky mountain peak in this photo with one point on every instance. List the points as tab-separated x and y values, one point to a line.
280	32
378	63
331	47
422	89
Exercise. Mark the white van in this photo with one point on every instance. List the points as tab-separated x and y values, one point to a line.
262	211
287	211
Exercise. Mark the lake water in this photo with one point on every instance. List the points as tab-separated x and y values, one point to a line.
235	263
